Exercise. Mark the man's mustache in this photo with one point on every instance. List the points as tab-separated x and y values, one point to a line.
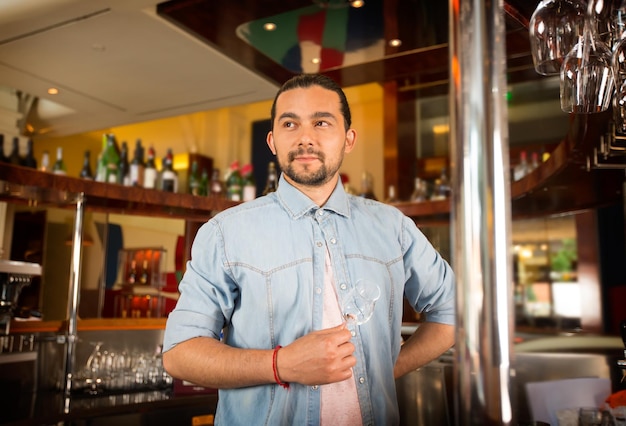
308	151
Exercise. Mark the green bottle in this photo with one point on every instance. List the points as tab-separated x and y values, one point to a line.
59	166
234	183
204	182
194	179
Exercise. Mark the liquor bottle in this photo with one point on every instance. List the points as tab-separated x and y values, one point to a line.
441	189
194	179
204	182
169	178
521	169
367	183
3	158
14	157
111	159
249	184
420	190
534	161
100	164
132	275
234	182
29	159
59	166
391	195
271	184
85	172
217	187
150	173
123	168
45	162
145	274
136	169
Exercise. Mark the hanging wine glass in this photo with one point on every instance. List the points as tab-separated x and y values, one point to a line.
587	73
358	306
555	27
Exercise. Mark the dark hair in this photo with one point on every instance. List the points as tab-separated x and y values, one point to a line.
304	81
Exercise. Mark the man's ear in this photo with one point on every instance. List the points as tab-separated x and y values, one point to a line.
350	140
270	142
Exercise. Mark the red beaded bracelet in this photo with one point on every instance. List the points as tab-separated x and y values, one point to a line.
275	369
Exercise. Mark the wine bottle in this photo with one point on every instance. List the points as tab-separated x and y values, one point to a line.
45	162
3	158
136	170
204	182
132	275
14	157
272	179
85	172
169	178
29	160
150	173
111	159
521	169
123	168
217	187
249	185
194	179
145	274
234	187
59	166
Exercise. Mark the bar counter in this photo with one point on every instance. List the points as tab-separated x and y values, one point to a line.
155	407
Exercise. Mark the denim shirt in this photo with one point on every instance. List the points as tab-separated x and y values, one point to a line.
257	272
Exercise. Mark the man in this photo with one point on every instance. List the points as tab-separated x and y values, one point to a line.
274	272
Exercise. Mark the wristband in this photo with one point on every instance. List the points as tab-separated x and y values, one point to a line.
275	369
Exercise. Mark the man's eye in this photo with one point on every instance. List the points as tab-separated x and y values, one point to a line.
321	123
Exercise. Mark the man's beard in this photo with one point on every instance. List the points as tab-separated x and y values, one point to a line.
309	178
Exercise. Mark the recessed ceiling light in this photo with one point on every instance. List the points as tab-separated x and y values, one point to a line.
270	26
395	42
357	3
53	91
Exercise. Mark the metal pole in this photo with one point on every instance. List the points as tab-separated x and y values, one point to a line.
74	296
481	213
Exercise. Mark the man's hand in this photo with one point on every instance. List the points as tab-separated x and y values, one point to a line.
320	357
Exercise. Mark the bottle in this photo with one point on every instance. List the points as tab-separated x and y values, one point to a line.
59	166
204	183
194	180
136	168
123	168
271	184
150	173
14	157
29	159
111	159
420	190
534	162
441	189
249	184
234	182
145	275
132	275
100	165
217	187
391	194
85	172
3	158
169	178
521	169
367	183
345	181
45	162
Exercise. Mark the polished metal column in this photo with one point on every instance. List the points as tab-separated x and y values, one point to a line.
481	213
73	299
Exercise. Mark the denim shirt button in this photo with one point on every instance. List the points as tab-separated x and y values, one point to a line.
320	212
319	244
318	290
361	380
333	241
314	387
353	333
343	286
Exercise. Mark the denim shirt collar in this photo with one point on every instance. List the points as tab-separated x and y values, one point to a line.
298	204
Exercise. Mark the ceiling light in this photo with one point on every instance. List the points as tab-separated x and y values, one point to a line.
357	3
395	42
53	91
270	26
